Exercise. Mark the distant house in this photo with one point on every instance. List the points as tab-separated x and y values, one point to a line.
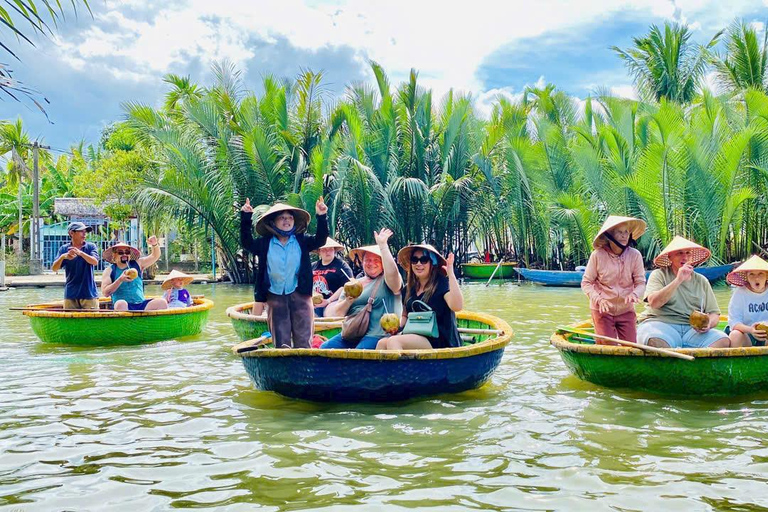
85	210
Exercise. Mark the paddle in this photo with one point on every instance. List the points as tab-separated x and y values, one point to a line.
626	343
494	272
250	345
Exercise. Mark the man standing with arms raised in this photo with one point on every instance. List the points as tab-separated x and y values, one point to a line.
78	258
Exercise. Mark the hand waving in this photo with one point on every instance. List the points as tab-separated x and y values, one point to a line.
382	236
449	266
247	208
152	240
320	207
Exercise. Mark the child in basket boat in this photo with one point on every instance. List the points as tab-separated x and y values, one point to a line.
614	279
176	295
748	308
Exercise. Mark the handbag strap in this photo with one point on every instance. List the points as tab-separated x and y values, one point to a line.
422	304
375	290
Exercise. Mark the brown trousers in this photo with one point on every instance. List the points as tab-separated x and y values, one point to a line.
291	317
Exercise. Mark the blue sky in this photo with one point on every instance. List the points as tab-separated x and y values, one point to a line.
486	48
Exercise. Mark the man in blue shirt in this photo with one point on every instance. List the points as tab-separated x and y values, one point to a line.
78	258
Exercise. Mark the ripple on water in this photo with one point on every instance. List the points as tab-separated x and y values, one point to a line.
178	424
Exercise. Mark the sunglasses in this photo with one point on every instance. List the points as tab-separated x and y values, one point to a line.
423	259
126	253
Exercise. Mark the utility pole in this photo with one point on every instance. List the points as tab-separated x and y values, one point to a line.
35	251
2	260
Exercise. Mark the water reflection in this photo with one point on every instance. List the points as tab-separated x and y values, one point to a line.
178	425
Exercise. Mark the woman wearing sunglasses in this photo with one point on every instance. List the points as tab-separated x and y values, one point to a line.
431	285
127	288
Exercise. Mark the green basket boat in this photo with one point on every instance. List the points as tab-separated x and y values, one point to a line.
713	372
107	327
248	326
484	270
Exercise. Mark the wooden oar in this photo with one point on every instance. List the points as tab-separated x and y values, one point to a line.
494	272
466	330
646	348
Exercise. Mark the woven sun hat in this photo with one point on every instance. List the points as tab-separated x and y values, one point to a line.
700	254
301	218
175	274
360	251
404	255
107	254
635	226
738	277
330	243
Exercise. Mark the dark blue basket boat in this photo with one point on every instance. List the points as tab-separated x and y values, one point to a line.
573	277
382	376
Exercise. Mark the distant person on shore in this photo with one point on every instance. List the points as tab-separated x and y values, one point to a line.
78	259
176	295
487	256
329	273
614	279
122	280
676	298
284	271
748	308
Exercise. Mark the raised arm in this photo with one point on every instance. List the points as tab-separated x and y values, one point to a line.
246	227
319	238
151	258
657	298
454	298
391	274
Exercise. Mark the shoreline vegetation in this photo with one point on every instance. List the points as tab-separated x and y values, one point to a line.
532	181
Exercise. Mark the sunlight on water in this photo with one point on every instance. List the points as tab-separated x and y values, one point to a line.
178	425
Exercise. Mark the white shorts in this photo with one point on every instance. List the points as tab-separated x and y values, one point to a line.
677	335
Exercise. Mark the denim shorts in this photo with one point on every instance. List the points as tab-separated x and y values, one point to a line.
677	335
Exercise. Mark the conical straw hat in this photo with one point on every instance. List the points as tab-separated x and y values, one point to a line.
738	277
358	253
175	274
404	256
635	226
301	218
330	243
700	254
108	253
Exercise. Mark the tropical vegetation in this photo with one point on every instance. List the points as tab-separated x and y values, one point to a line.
534	179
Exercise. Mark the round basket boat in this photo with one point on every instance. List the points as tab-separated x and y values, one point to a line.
107	327
486	270
350	375
713	372
249	326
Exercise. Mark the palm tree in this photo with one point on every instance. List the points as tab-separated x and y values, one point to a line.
745	62
19	19
666	64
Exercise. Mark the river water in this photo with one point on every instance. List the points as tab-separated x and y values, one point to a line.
178	425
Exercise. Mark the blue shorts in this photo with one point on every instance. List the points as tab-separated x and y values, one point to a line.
139	306
677	335
366	343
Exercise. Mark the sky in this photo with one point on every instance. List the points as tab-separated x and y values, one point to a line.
95	64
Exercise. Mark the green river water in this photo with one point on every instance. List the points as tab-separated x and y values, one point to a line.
178	425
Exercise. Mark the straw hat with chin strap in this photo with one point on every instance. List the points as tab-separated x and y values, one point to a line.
108	254
301	218
700	254
738	277
404	256
175	274
360	251
635	226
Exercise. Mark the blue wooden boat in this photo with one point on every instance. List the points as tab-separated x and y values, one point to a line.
349	375
573	277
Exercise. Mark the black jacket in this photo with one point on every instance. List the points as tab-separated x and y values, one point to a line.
260	246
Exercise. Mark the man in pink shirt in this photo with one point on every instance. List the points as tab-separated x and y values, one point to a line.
615	278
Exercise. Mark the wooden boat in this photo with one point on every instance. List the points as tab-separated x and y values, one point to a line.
248	326
573	277
108	327
713	372
484	270
351	375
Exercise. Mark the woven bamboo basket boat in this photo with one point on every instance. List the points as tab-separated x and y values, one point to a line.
713	372
351	375
248	326
486	270
107	327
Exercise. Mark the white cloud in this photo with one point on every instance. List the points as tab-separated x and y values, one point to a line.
624	91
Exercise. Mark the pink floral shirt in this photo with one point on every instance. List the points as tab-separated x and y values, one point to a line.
613	277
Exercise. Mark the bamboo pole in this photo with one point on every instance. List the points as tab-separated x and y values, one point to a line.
626	343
